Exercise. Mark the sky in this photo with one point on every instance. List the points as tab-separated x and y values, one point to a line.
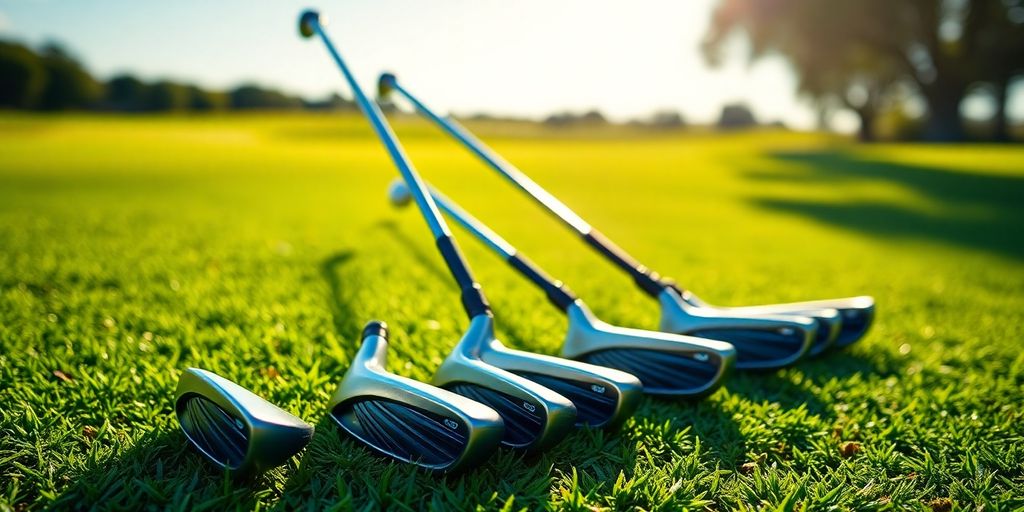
522	58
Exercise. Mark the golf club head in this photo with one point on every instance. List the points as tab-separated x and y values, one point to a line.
385	84
234	428
762	342
308	21
855	314
667	364
535	416
604	397
408	420
830	320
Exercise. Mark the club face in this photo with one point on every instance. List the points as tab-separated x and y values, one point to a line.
404	432
234	428
762	342
535	417
408	420
603	396
597	405
666	364
524	418
855	315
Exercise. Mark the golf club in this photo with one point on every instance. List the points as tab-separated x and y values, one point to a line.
667	364
409	420
682	311
480	367
234	428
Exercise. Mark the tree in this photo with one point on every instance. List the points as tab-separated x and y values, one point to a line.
168	96
868	45
1002	47
126	93
22	76
736	116
255	97
68	84
202	100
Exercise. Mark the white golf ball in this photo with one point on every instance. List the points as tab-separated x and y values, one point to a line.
398	193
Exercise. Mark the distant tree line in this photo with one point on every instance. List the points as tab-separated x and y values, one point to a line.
51	79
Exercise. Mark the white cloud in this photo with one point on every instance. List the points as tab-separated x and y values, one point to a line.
5	22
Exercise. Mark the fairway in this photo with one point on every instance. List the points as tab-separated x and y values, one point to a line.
257	246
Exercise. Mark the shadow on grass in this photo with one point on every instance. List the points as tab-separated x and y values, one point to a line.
980	211
161	470
428	261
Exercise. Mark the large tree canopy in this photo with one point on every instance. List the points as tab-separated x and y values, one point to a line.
853	52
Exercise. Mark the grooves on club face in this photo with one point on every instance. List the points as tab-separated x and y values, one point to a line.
524	420
595	405
409	420
404	432
760	349
216	433
830	324
233	427
662	372
856	322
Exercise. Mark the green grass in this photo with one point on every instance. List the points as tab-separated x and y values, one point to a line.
257	247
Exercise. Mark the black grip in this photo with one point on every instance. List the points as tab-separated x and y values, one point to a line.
648	280
375	328
475	302
557	292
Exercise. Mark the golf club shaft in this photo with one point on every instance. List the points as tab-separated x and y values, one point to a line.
473	300
556	291
648	280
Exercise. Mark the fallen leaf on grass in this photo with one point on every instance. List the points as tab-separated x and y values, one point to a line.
941	504
62	376
849	449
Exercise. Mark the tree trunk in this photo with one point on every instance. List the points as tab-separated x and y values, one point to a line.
1001	126
866	132
944	123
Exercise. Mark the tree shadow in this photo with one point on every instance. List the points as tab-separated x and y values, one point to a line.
980	211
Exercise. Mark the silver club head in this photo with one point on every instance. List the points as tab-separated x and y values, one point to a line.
604	397
234	428
667	364
409	420
855	313
762	342
535	417
830	319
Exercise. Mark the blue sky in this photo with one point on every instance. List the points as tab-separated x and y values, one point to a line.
528	57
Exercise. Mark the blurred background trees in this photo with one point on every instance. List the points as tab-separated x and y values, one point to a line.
903	67
52	79
856	54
